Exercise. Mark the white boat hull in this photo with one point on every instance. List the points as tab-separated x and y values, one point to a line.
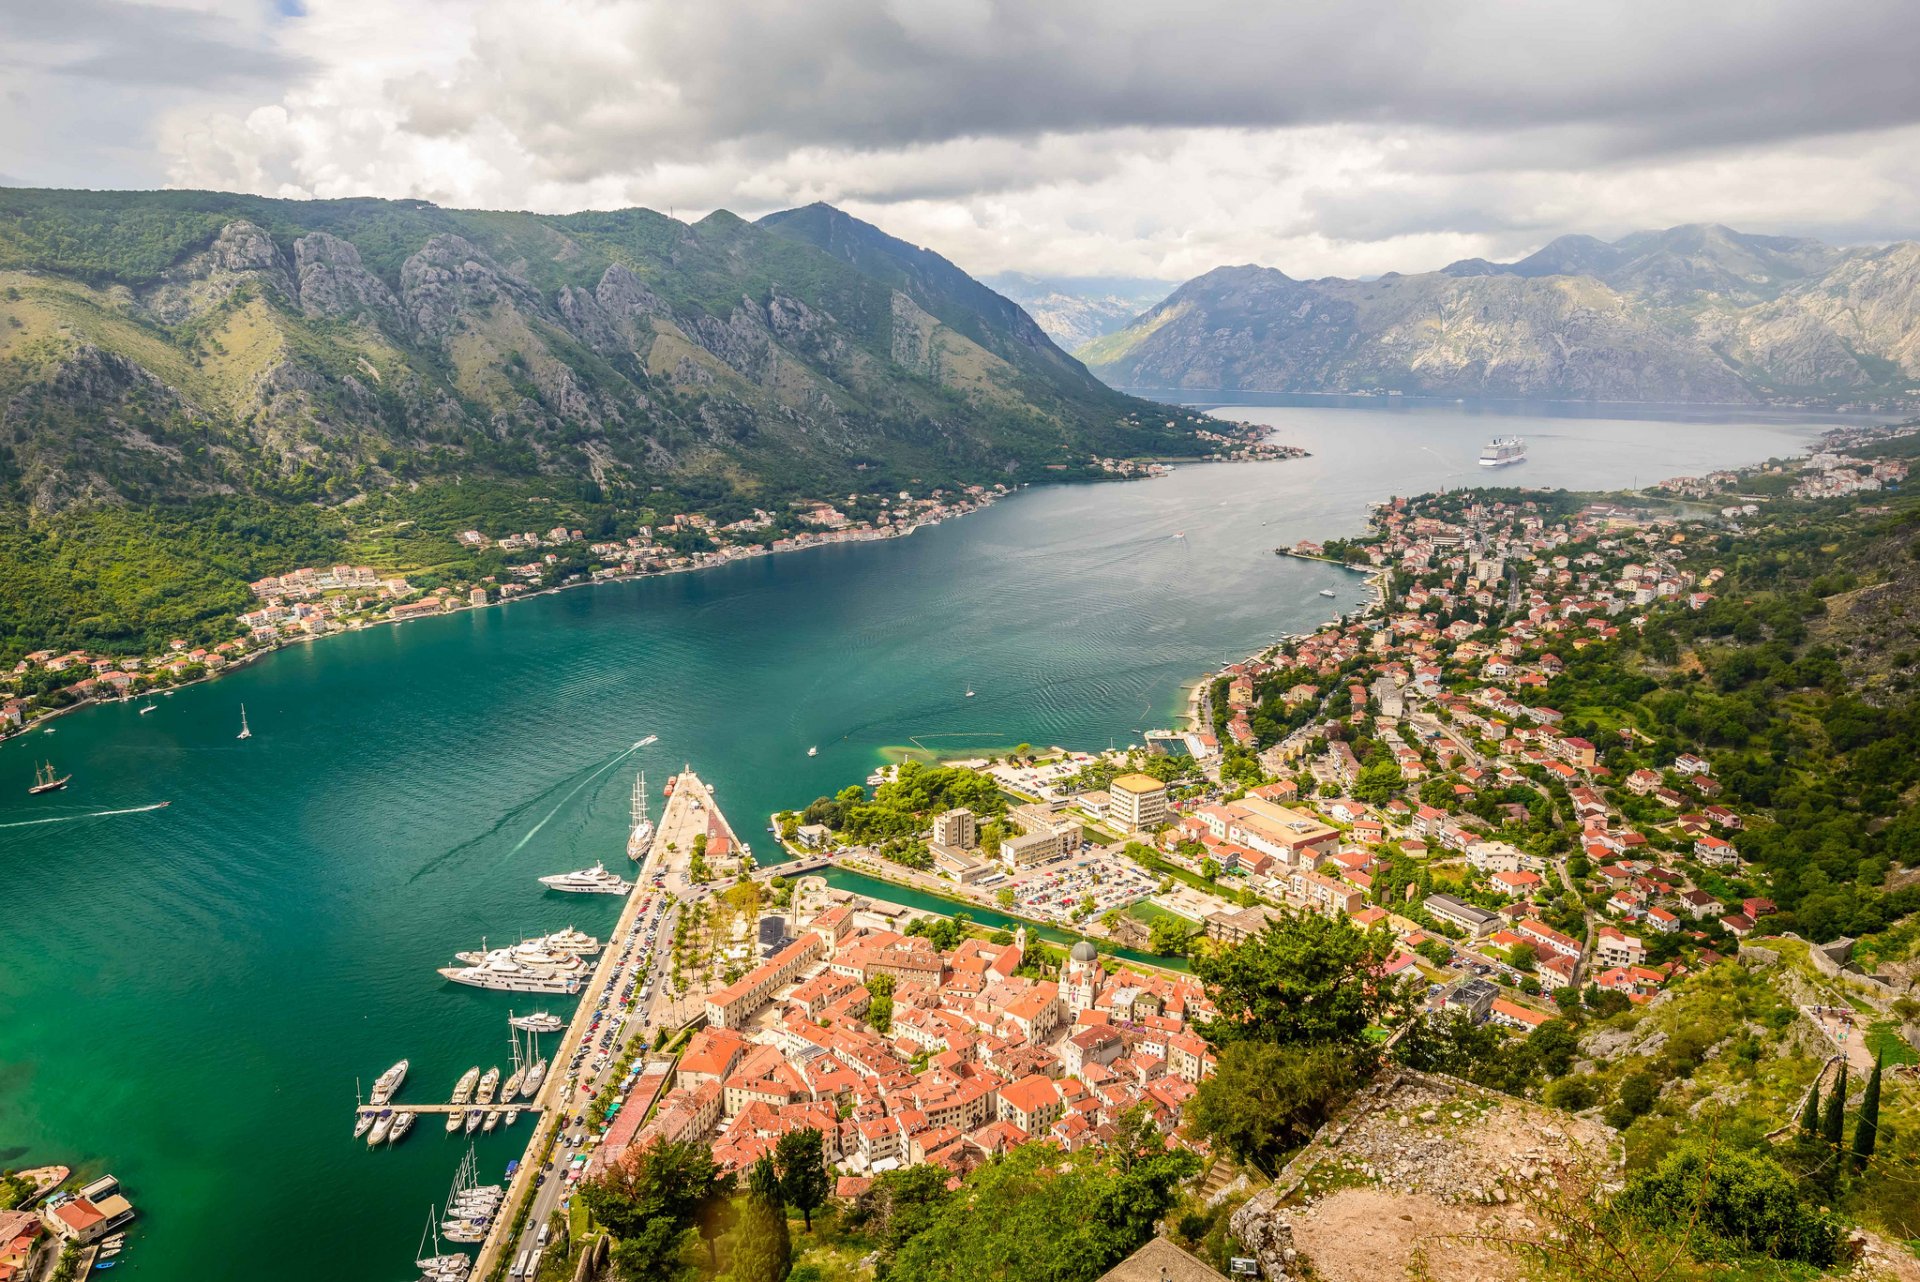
505	984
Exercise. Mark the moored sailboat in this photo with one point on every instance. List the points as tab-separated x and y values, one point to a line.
640	839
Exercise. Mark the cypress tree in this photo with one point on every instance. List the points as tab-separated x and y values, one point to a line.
1866	1128
763	1249
1833	1128
1810	1116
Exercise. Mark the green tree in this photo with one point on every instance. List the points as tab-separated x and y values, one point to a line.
1173	936
1305	979
1265	1099
899	1206
14	1189
1040	1215
1571	1093
880	1003
1866	1127
1379	782
763	1246
1523	957
801	1157
1833	1124
651	1200
1746	1199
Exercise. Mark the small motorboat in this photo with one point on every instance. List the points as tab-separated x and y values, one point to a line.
813	752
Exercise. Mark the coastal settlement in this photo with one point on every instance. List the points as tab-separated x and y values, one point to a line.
307	602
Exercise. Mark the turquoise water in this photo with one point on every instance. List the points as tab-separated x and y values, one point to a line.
187	996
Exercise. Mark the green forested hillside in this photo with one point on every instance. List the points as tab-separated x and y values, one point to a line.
163	353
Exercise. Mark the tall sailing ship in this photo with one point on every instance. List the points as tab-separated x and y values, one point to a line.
44	780
640	841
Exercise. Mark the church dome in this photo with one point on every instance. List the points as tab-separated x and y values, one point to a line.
1084	951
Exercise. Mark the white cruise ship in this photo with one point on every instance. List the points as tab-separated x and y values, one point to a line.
588	881
1502	450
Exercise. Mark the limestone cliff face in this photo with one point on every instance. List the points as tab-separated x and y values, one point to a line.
190	343
1701	314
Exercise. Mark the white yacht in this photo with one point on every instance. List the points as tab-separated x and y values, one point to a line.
387	1083
538	1022
588	881
503	974
573	941
536	1073
463	1089
363	1122
383	1124
402	1123
455	1120
492	1120
533	955
489	1083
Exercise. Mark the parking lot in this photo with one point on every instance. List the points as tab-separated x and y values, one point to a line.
1053	893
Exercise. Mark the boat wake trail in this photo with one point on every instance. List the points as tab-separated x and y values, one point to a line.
535	830
517	811
95	814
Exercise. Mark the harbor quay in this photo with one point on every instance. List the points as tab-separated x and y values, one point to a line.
585	1066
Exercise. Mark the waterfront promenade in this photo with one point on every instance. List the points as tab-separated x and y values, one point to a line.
689	811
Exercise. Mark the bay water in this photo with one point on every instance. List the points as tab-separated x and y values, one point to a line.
189	996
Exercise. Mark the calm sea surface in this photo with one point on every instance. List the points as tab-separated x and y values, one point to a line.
188	996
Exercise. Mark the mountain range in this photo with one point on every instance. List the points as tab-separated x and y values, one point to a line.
1697	313
1075	310
162	346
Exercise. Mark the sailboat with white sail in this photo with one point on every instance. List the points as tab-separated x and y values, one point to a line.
245	731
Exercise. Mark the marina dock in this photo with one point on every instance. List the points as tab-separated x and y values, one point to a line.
556	1093
474	1106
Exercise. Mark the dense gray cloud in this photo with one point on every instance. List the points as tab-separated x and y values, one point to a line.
141	44
1055	136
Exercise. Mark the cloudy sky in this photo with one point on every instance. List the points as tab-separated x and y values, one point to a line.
1052	136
